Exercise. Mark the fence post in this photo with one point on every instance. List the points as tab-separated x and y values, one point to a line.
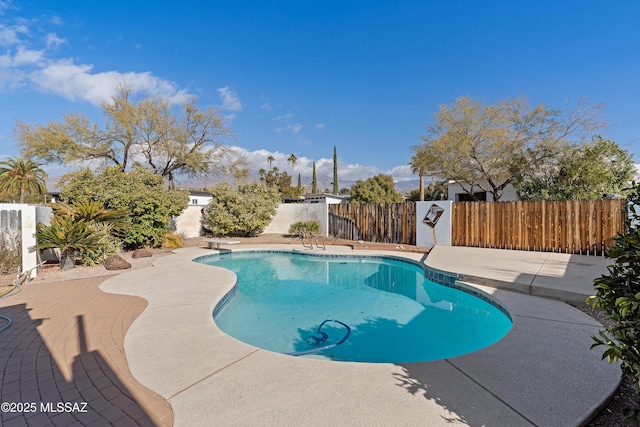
433	223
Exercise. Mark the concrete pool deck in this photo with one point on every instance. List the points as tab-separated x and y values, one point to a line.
542	373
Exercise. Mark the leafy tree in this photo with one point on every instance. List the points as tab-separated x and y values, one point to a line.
282	181
436	190
242	212
21	177
618	296
379	189
484	147
140	191
583	172
170	139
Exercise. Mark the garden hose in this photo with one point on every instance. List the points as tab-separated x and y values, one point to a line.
10	294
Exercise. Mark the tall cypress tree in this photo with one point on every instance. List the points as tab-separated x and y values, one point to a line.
335	171
299	182
314	183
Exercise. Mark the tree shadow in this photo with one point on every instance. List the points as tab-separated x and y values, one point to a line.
30	374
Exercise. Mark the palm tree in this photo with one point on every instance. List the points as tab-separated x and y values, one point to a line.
419	165
22	176
263	174
270	160
292	159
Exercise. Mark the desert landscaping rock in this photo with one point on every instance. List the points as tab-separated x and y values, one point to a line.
141	253
115	262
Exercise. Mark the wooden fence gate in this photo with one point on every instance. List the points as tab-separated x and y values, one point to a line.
374	222
574	227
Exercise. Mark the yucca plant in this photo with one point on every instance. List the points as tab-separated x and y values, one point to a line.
71	236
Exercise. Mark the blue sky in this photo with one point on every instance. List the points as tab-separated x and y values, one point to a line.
296	76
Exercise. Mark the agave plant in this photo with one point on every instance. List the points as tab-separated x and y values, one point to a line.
72	236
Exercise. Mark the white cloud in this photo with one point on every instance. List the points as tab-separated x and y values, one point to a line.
56	20
53	41
27	57
230	100
80	83
401	173
320	125
6	5
9	35
283	117
348	173
24	66
295	128
266	106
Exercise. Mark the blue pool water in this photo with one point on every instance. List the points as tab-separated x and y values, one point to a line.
393	312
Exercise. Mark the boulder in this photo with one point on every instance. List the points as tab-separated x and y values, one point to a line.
141	253
115	262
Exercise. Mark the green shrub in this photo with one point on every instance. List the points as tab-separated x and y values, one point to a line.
242	212
139	191
378	189
618	296
10	252
303	228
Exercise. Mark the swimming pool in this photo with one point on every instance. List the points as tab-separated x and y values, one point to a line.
346	308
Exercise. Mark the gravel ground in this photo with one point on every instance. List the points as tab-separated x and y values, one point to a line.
611	415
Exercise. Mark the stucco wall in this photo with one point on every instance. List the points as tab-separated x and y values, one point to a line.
288	213
188	223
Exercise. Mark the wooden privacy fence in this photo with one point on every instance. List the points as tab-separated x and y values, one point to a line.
574	227
374	222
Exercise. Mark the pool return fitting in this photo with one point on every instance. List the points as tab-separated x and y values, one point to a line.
321	337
